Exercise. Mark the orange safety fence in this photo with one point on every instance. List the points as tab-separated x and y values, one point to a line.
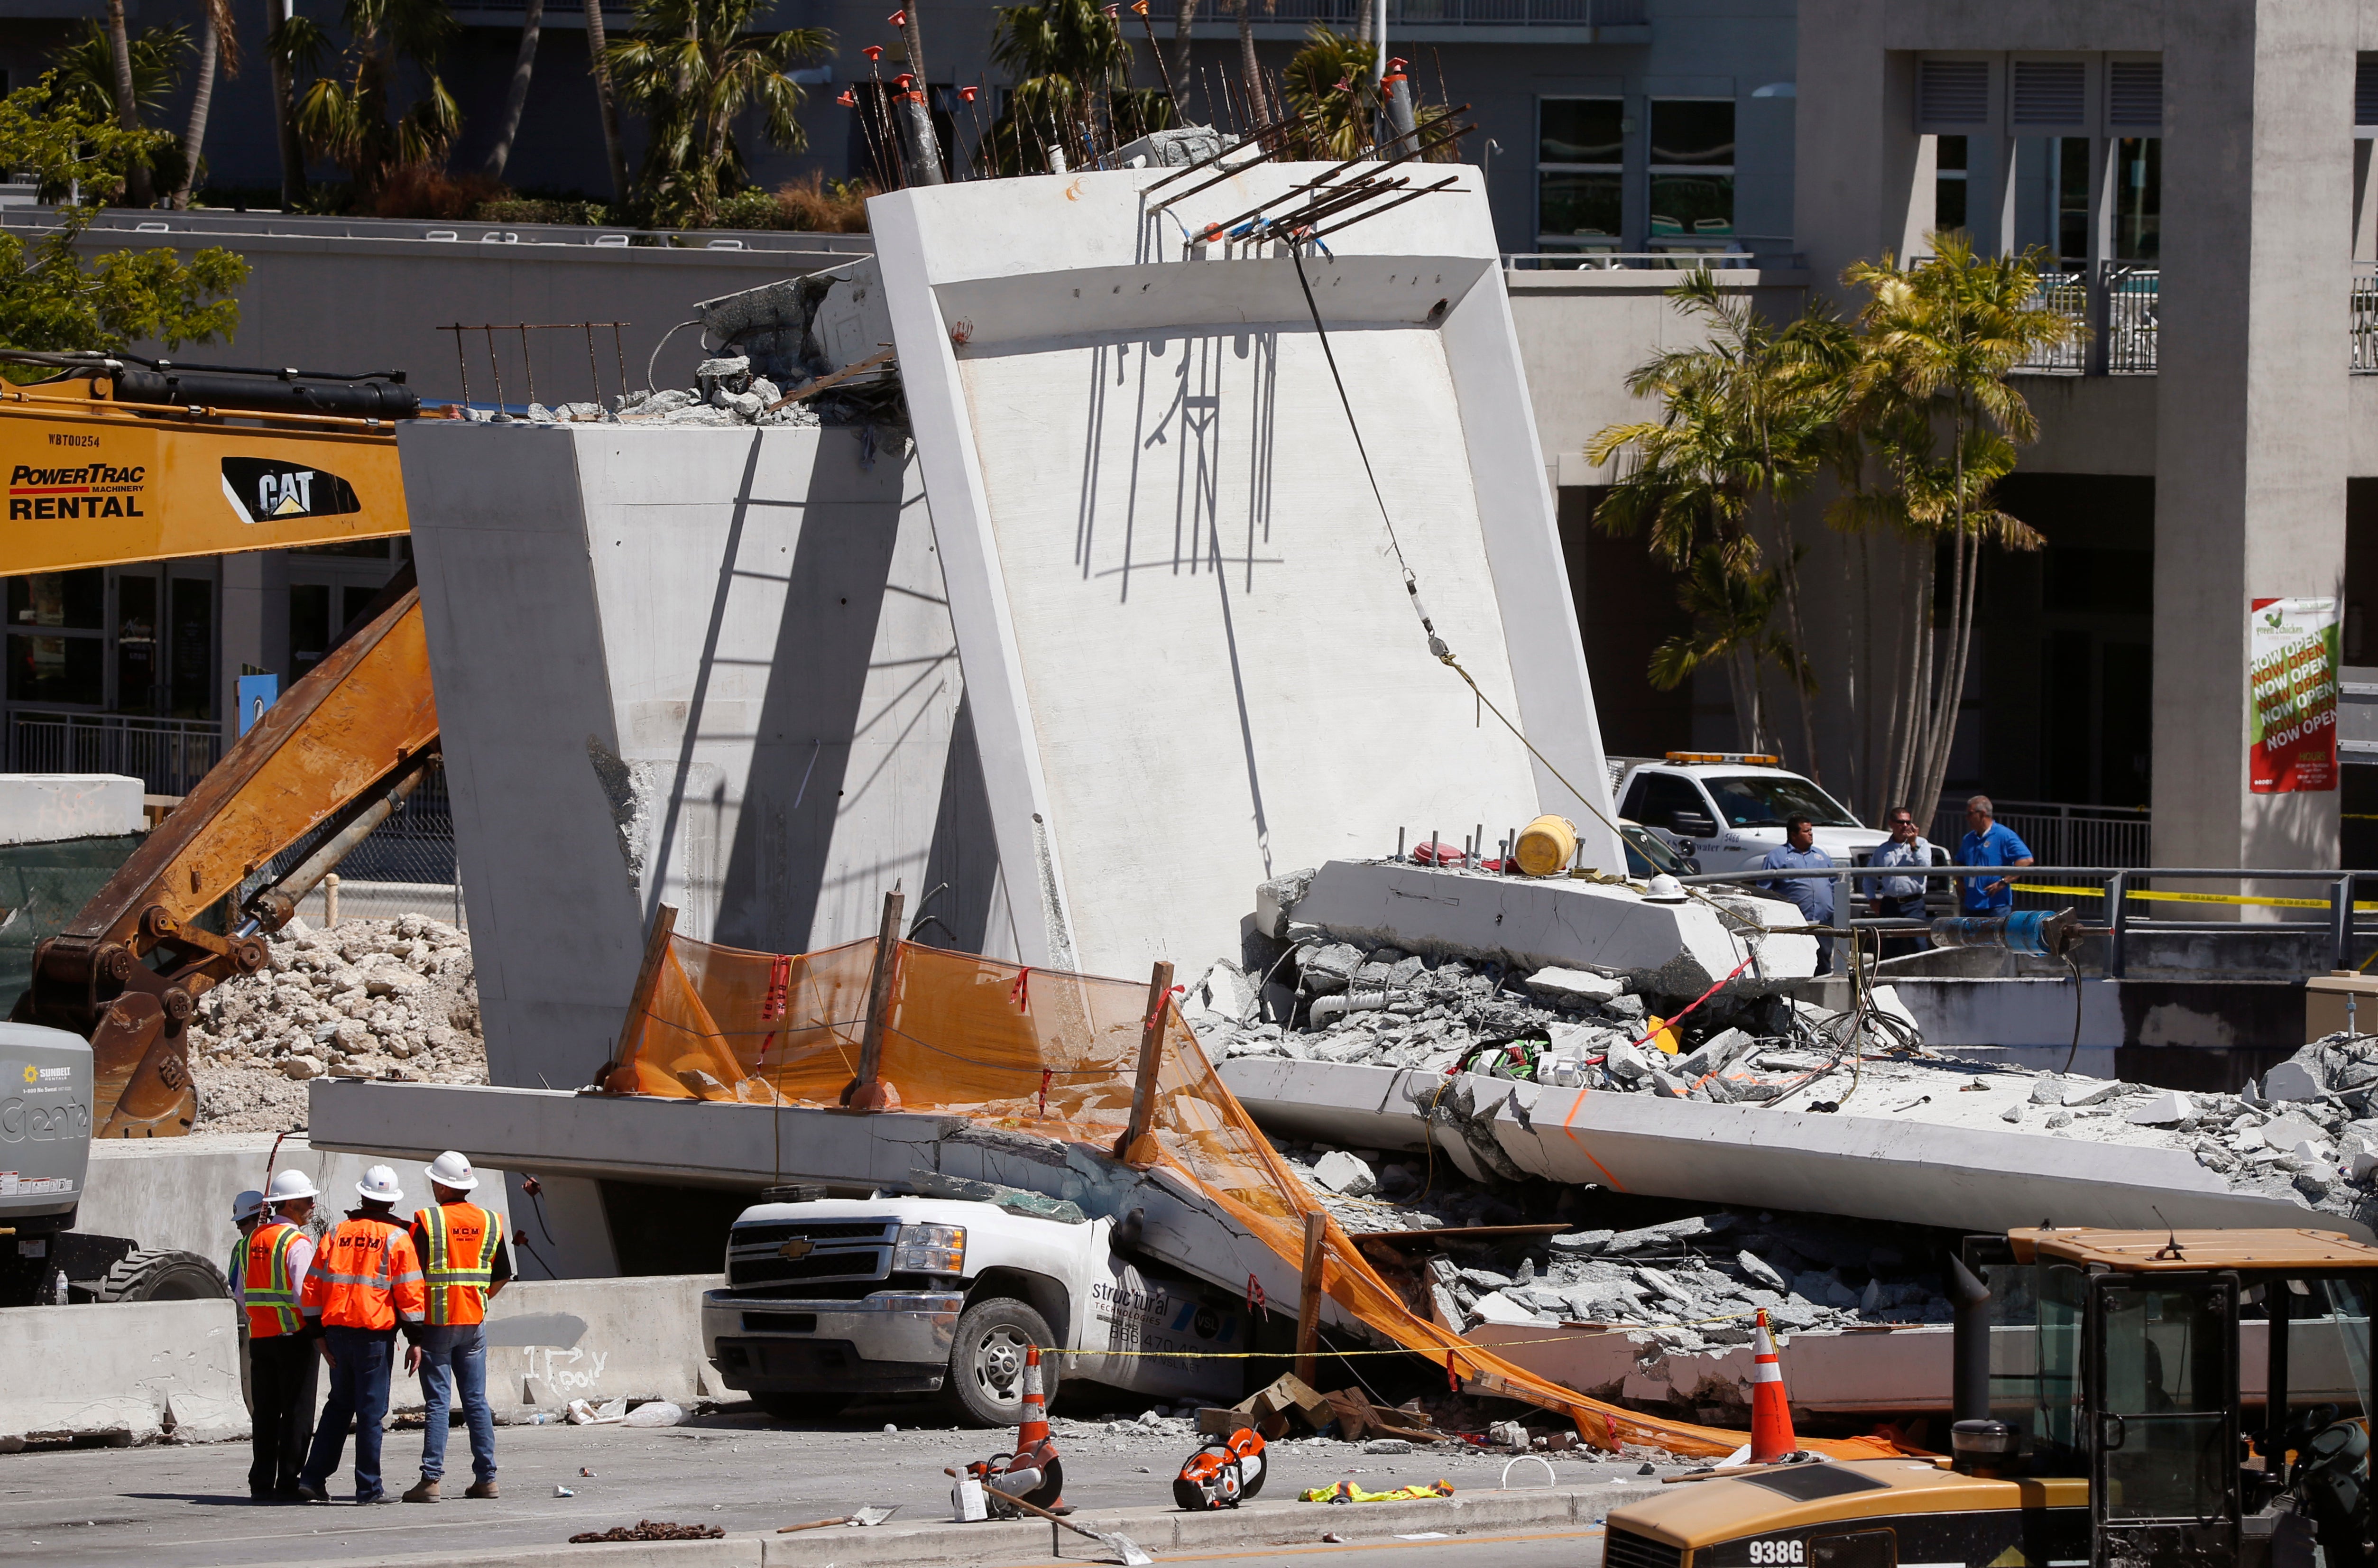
1057	1054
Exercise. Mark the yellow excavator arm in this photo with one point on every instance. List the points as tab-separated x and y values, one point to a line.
123	460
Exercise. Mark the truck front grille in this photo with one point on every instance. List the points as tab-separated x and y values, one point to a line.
1624	1549
843	1250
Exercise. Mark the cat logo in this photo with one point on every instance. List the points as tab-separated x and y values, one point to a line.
260	490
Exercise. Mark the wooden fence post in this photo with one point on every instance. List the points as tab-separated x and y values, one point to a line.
1308	1301
868	1092
1151	1057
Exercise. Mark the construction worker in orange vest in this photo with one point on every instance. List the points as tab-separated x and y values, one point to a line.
280	1355
246	1209
464	1256
363	1286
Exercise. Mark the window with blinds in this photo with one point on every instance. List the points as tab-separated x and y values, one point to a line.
2050	93
1953	92
2134	94
2365	92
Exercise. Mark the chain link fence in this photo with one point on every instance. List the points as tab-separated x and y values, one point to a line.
406	865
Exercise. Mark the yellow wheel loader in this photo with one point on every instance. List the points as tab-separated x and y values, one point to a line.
2122	1398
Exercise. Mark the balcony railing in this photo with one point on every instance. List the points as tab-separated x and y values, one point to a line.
1344	14
168	755
1719	254
2117	311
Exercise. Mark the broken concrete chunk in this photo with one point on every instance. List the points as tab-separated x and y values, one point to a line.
1669	1084
2287	1131
2047	1090
1343	1174
2013	1113
1716	1053
2083	1091
1496	1307
1573	986
2162	1109
1327	967
1760	1269
1387	1446
1579	1243
1626	1062
2290	1082
1276	901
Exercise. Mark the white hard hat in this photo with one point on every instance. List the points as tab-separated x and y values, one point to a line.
289	1186
380	1185
454	1169
247	1206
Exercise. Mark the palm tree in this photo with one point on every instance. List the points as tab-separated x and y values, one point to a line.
516	92
127	112
1072	70
598	54
277	58
346	117
1330	91
692	66
1748	418
218	39
1939	424
83	73
1731	609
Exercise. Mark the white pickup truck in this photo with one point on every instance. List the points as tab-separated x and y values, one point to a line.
1727	809
828	1300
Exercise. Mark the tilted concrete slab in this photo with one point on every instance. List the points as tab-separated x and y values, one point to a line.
121	1373
712	668
1192	657
1670	947
737	1146
43	808
1890	1162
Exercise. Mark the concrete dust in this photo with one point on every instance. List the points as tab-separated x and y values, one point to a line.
364	998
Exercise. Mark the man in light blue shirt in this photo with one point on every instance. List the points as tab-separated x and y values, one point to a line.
1901	898
1988	842
1812	896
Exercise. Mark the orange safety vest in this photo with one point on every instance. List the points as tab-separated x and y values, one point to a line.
460	1261
269	1293
366	1275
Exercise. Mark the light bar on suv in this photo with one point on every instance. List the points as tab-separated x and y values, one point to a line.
1738	759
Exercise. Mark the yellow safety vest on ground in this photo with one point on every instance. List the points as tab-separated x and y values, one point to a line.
459	1261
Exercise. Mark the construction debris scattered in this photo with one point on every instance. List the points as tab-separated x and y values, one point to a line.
650	1530
364	998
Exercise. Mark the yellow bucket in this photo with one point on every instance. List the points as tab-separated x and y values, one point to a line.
1546	846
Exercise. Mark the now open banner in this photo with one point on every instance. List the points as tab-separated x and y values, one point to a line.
2291	696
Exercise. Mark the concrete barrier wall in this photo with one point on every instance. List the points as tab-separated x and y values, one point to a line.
130	1373
156	1370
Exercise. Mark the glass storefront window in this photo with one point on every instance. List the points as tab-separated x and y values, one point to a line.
1692	167
192	630
2138	199
135	644
2072	167
75	599
1579	178
1949	179
55	669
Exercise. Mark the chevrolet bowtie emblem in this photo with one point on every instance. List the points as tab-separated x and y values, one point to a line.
800	1246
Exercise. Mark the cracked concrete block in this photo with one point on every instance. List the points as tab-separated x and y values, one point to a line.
1759	1269
1573	985
2285	1132
2047	1090
1327	967
2013	1113
195	1418
1276	901
2289	1082
2087	1091
1579	1243
2162	1109
1496	1307
1343	1174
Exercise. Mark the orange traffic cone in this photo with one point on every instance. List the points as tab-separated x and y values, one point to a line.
1770	1414
1036	1465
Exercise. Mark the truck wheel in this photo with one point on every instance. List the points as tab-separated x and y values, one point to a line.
162	1275
784	1405
986	1362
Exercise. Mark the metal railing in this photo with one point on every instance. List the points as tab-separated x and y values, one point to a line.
2117	895
1730	253
2364	328
2114	314
1345	14
168	755
2064	834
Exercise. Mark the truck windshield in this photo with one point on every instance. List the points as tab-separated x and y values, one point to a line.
1646	855
1766	800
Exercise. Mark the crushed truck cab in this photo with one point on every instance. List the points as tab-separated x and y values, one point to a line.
829	1299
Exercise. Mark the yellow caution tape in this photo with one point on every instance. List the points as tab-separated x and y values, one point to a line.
2141	893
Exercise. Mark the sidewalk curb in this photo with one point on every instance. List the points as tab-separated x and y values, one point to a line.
1161	1530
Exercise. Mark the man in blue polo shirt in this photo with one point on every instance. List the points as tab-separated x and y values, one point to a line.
1987	842
1813	895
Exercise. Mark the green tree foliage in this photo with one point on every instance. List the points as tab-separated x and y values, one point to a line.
1072	71
50	298
1330	92
84	70
1749	416
1938	423
348	114
693	68
1732	610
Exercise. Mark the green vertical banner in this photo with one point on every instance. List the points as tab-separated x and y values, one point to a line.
2291	696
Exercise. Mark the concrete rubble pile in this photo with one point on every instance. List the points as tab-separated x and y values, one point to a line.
1694	1282
364	998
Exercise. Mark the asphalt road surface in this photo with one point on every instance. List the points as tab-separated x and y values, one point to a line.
187	1507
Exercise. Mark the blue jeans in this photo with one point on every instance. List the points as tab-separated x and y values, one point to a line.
361	1365
451	1356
